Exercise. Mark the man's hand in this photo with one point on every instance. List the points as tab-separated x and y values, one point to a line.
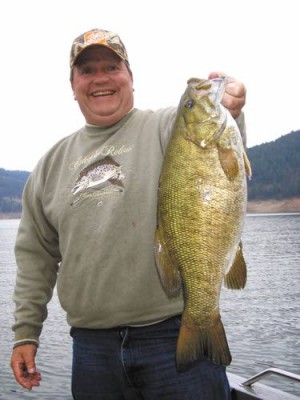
234	97
23	366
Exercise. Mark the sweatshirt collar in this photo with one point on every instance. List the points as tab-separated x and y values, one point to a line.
125	118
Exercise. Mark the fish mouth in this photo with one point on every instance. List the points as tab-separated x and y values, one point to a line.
100	93
213	87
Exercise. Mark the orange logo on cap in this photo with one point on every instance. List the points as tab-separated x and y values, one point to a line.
94	37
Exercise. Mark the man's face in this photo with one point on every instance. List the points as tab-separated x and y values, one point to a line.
102	85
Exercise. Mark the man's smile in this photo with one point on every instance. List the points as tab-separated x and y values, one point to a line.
102	93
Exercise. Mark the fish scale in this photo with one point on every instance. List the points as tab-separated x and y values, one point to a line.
201	209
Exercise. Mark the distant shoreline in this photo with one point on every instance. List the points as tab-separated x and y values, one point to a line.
274	206
254	207
10	215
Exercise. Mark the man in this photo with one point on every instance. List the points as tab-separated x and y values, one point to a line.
88	223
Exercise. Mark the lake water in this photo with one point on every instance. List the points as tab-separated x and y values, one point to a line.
261	321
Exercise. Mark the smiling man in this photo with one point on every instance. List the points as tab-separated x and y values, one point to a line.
88	223
102	84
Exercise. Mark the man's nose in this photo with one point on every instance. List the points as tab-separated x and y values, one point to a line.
100	76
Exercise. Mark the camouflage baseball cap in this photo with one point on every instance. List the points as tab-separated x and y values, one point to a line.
101	37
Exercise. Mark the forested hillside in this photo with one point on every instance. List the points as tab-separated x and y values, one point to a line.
275	165
11	187
276	168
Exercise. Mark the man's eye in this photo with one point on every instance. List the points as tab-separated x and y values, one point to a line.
86	70
112	68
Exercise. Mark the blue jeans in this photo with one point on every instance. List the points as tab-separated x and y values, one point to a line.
138	363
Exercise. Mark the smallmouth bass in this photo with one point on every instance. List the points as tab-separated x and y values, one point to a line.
202	202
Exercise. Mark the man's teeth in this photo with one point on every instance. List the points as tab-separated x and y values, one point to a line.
106	93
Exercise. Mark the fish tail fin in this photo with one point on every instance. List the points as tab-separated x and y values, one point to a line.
195	342
236	277
168	273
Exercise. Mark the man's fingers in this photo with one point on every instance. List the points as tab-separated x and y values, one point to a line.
216	74
235	89
24	378
23	366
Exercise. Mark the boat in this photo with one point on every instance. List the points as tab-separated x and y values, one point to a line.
250	389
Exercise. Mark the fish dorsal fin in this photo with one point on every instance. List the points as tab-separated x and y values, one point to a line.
236	277
169	275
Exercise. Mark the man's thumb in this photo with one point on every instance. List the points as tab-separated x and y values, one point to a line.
29	359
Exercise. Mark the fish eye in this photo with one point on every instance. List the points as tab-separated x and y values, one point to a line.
189	104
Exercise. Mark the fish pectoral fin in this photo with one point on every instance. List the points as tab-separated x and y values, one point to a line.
202	341
169	275
229	162
236	277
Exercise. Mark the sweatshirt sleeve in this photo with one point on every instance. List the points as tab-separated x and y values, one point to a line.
240	120
37	257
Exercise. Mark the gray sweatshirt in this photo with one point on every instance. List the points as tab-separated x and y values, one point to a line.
88	225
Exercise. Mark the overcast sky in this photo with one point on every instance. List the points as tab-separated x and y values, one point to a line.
168	41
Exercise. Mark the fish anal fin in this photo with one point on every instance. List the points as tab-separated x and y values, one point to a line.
168	273
229	162
236	277
195	342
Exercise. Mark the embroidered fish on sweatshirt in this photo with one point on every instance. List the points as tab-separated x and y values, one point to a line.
99	175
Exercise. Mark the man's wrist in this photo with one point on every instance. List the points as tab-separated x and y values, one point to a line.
26	341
